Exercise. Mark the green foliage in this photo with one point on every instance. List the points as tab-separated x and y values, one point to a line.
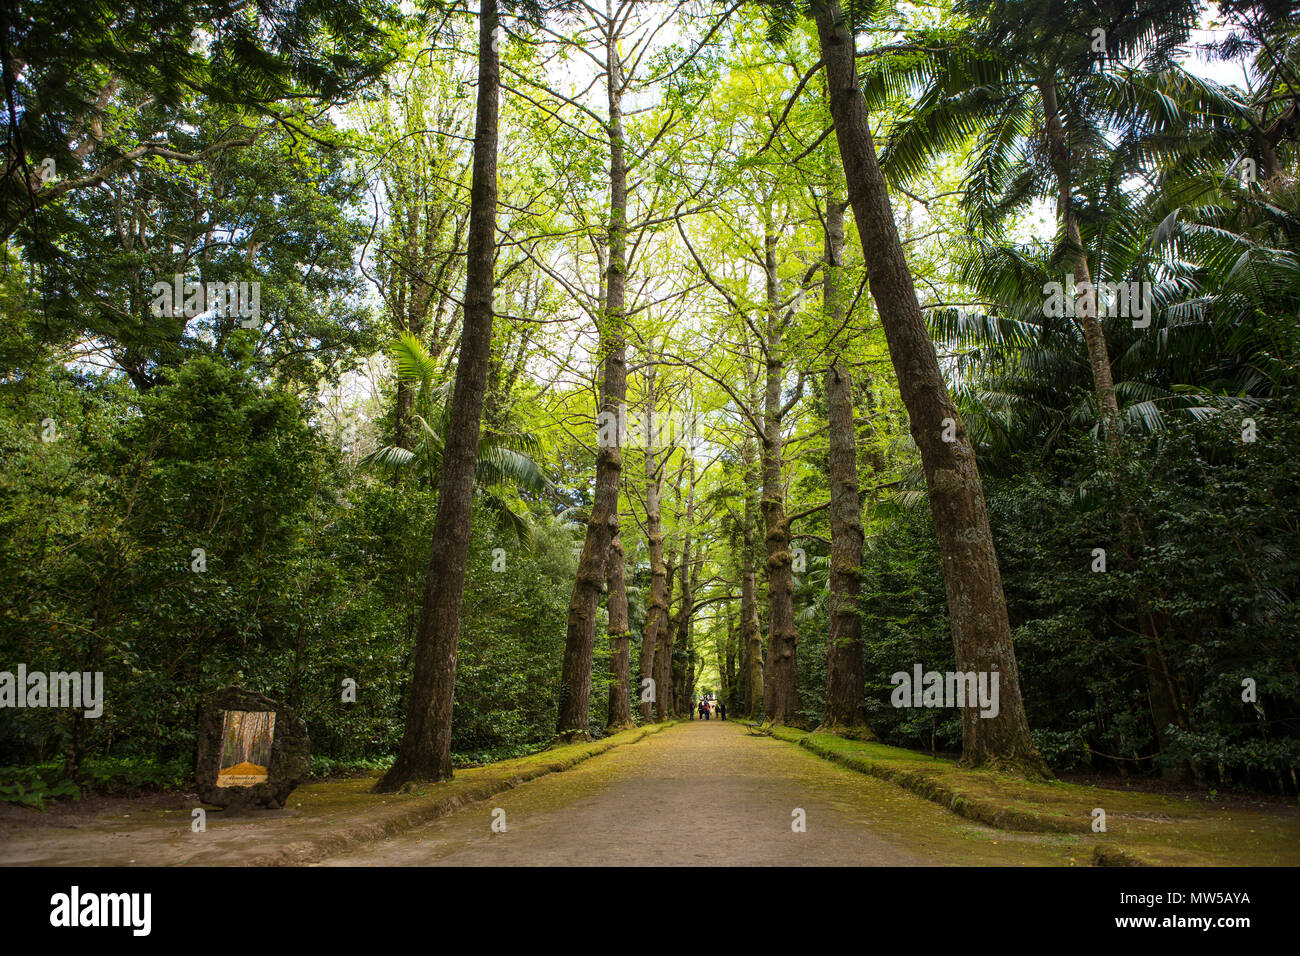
64	65
504	467
1216	568
204	515
37	784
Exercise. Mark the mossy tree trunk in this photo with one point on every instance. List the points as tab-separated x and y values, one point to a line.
602	526
664	704
620	641
976	603
751	634
781	688
845	704
425	751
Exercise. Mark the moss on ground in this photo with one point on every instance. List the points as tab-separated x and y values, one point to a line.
1141	828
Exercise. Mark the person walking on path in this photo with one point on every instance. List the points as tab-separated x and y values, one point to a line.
722	711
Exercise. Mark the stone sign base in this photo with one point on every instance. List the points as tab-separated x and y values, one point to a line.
252	750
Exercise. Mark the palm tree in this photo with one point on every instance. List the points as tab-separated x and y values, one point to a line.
1048	91
1066	103
1220	271
505	459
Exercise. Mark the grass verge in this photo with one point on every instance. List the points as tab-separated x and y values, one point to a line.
1142	829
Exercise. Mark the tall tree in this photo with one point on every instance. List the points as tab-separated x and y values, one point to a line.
845	706
656	619
602	526
425	752
751	634
781	677
976	603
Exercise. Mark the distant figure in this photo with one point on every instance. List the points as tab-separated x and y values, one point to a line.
722	711
700	707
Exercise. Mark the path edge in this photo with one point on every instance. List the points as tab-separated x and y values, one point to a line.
352	837
1004	818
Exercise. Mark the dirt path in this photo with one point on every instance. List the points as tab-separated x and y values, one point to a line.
709	793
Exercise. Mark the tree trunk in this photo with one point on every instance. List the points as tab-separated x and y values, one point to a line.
620	641
686	636
425	752
751	634
680	660
602	527
728	665
845	705
742	659
692	662
976	604
664	653
656	617
781	690
1085	304
402	414
683	690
